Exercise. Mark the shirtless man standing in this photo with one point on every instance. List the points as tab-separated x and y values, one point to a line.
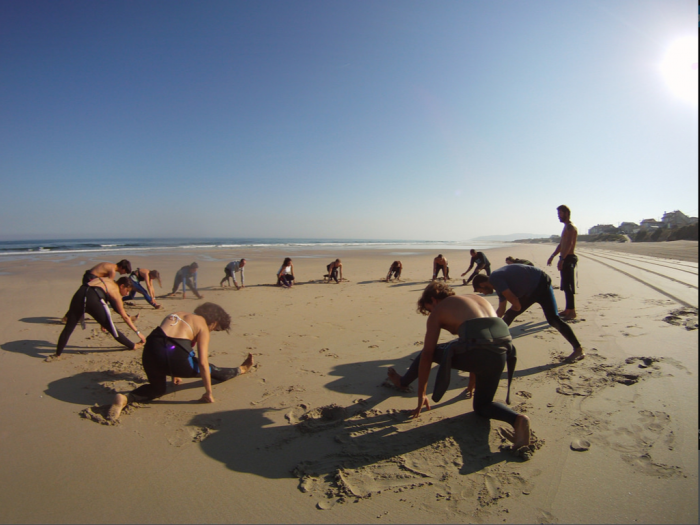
440	263
470	317
567	261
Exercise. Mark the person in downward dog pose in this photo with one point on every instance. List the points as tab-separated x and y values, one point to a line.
394	271
169	352
93	298
143	275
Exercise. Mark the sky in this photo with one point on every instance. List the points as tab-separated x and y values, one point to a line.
411	120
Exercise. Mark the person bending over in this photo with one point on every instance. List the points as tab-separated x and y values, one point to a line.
483	348
333	269
186	275
230	271
93	298
440	263
482	263
106	270
523	286
285	275
394	271
169	352
515	260
143	275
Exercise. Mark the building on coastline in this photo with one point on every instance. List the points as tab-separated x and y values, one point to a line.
629	227
650	224
602	228
677	219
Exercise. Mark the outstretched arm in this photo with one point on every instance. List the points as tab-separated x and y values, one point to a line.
203	350
432	333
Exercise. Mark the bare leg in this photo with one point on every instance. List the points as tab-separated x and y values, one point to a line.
520	435
120	401
522	432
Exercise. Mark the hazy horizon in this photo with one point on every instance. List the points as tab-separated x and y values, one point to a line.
353	120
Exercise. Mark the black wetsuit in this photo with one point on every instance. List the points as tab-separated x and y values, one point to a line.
395	271
485	360
165	356
332	274
482	263
523	261
90	300
568	282
544	296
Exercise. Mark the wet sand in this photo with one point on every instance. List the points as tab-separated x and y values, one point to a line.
314	435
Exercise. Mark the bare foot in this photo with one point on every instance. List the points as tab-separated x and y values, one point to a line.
177	381
522	432
52	357
157	306
64	320
576	355
120	401
247	364
104	329
394	377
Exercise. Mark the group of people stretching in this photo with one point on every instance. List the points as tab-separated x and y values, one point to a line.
484	346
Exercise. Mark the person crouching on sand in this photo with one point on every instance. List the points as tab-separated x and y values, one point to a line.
440	263
394	271
285	275
169	351
471	317
333	269
92	298
187	275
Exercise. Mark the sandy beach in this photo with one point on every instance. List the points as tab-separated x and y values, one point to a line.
314	435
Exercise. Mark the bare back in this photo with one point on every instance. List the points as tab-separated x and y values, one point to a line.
569	235
183	325
105	269
452	311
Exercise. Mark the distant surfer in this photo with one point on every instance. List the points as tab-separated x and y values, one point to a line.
187	275
482	263
394	271
440	264
230	271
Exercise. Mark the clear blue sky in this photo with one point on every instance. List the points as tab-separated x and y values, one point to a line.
440	120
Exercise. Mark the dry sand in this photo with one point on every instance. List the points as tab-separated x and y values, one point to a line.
313	436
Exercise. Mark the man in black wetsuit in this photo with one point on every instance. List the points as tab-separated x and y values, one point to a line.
482	263
483	348
524	286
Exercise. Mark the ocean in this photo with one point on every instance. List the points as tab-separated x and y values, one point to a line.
37	248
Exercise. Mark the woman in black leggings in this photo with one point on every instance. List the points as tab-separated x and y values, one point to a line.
92	298
169	352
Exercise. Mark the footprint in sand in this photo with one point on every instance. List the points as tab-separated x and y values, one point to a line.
580	445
